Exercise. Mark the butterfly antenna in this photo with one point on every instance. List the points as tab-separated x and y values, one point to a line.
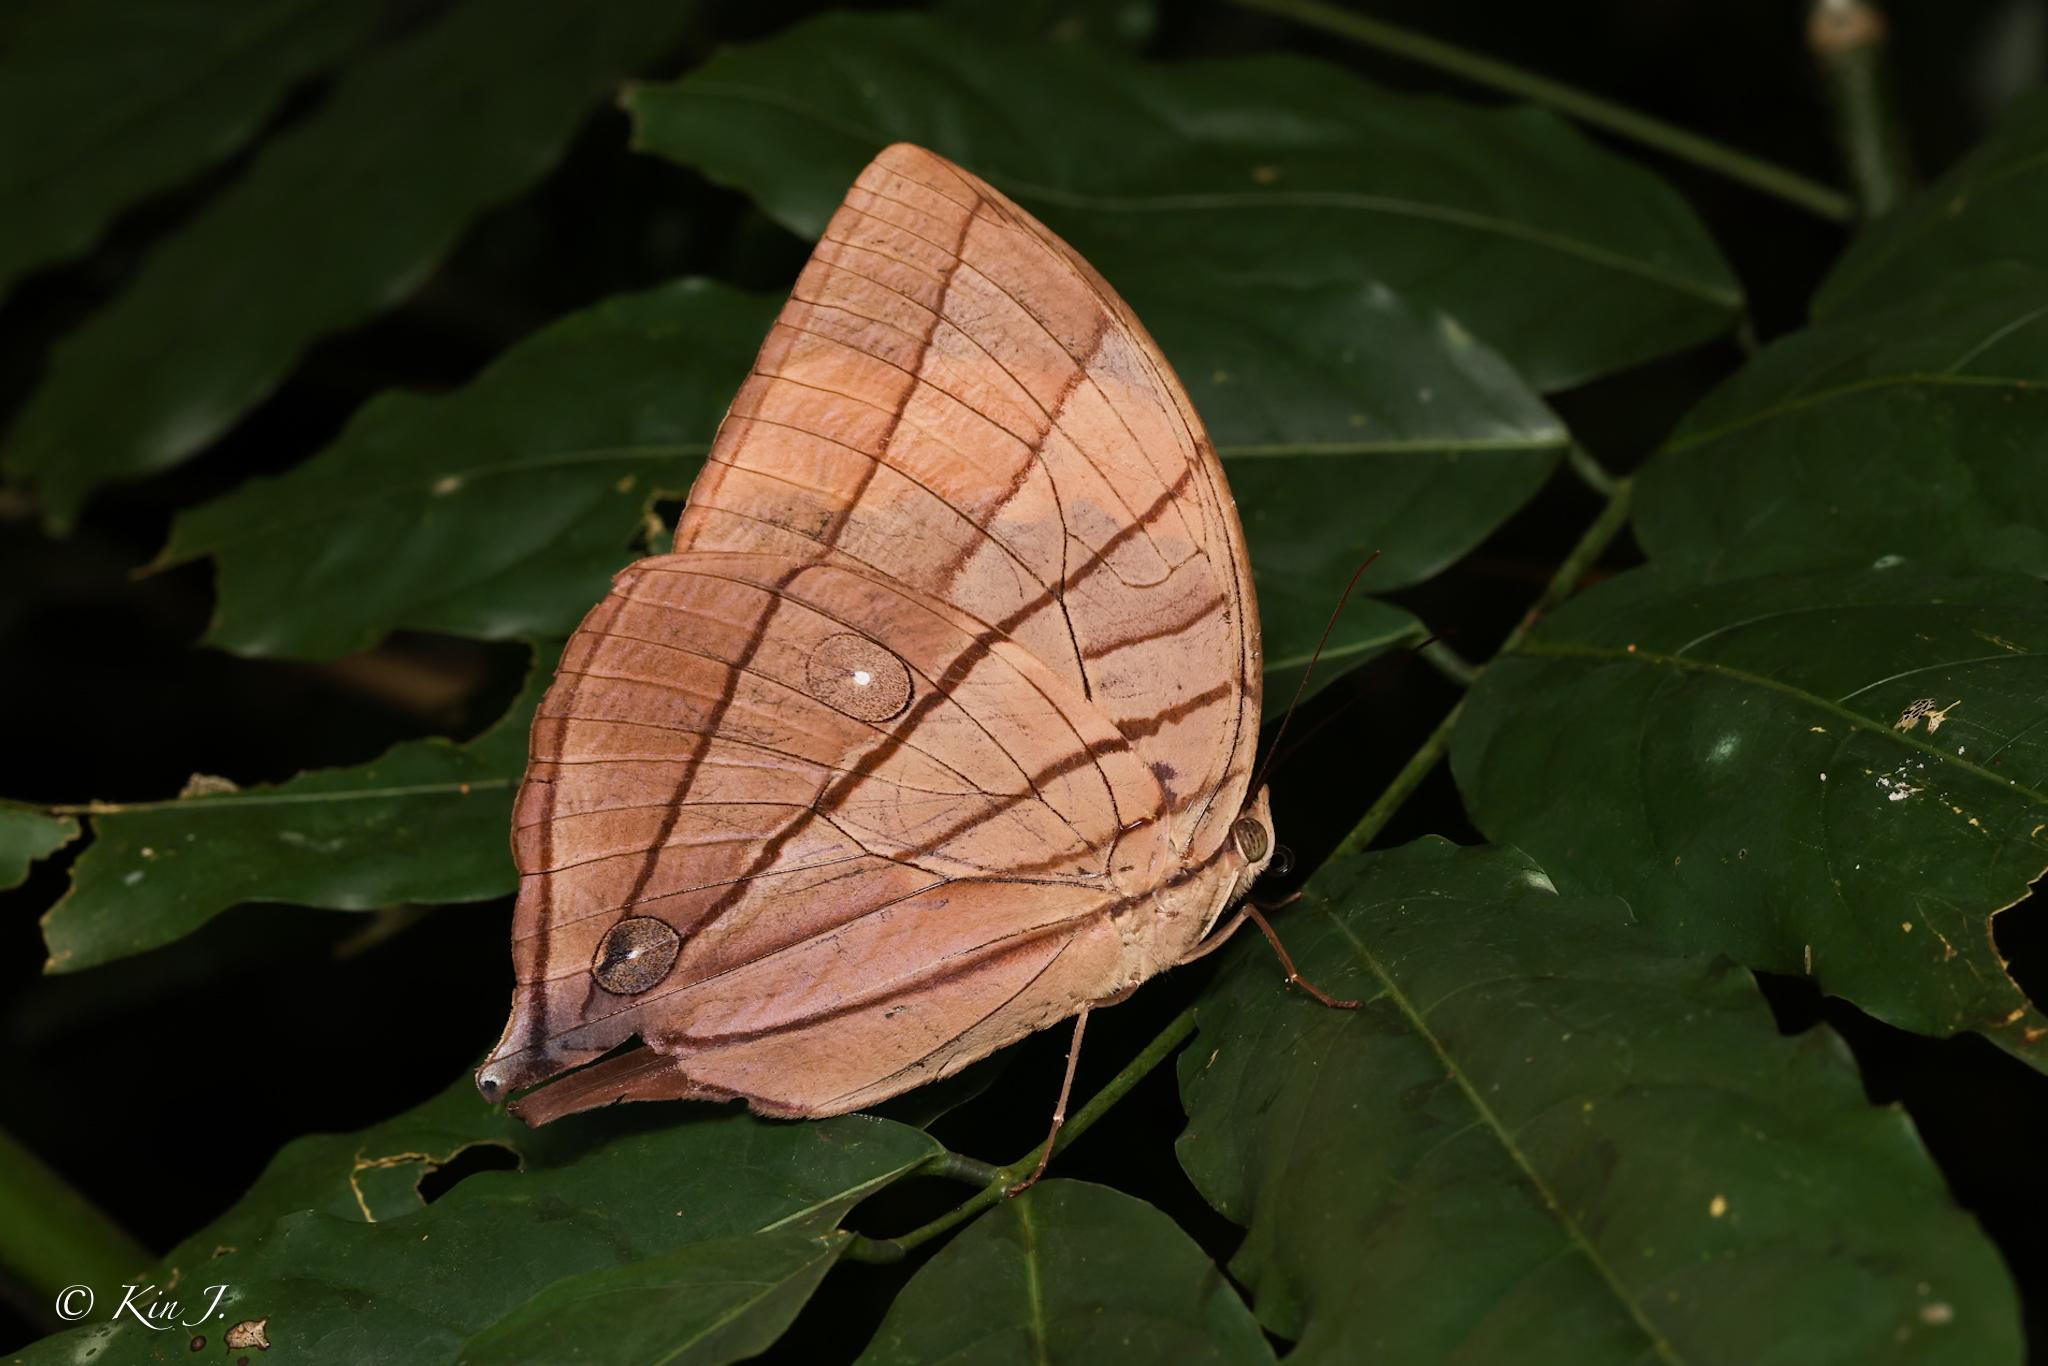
1310	671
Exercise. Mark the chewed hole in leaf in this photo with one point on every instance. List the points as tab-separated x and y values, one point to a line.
438	1180
1797	1003
394	1185
2020	932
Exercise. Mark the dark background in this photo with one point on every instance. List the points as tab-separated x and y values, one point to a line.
161	1084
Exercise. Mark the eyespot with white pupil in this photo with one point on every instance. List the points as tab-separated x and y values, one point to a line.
1252	839
635	954
852	674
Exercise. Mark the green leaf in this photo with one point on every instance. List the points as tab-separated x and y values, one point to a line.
1988	208
28	834
105	102
1068	1274
1917	432
1129	24
1367	630
703	1305
500	511
374	1174
1349	423
396	1279
1568	260
338	219
1842	774
425	822
1542	1139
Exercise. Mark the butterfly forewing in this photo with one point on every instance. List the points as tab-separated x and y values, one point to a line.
932	728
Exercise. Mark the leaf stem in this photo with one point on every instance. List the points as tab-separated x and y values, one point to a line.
1591	545
1591	472
1162	1047
1397	792
959	1167
1449	663
51	1236
1848	40
1823	201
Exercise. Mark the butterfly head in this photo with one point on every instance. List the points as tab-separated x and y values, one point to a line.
1251	838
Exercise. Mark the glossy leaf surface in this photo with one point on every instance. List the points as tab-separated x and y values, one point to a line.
1569	261
1920	432
341	1279
337	219
704	1304
26	835
1545	1139
1986	209
425	822
1069	1274
499	511
1843	775
104	102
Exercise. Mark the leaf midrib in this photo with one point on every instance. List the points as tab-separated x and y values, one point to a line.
1915	379
1853	719
1386	205
1492	1121
853	1195
1549	441
1034	1293
226	800
830	1251
1905	244
420	489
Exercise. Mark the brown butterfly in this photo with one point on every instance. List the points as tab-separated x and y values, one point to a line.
937	726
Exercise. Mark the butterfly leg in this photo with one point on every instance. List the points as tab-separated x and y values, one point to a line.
1059	1111
1216	940
1294	978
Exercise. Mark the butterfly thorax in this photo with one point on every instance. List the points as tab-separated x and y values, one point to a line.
1189	905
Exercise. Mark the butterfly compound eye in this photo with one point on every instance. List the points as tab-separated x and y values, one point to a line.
1251	837
635	954
852	674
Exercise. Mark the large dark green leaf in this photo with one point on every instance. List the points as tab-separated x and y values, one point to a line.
104	102
1920	431
1542	1139
374	1174
1349	423
500	511
701	1305
426	822
1568	260
1106	23
1988	208
1069	1274
26	835
346	1274
1841	774
337	219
